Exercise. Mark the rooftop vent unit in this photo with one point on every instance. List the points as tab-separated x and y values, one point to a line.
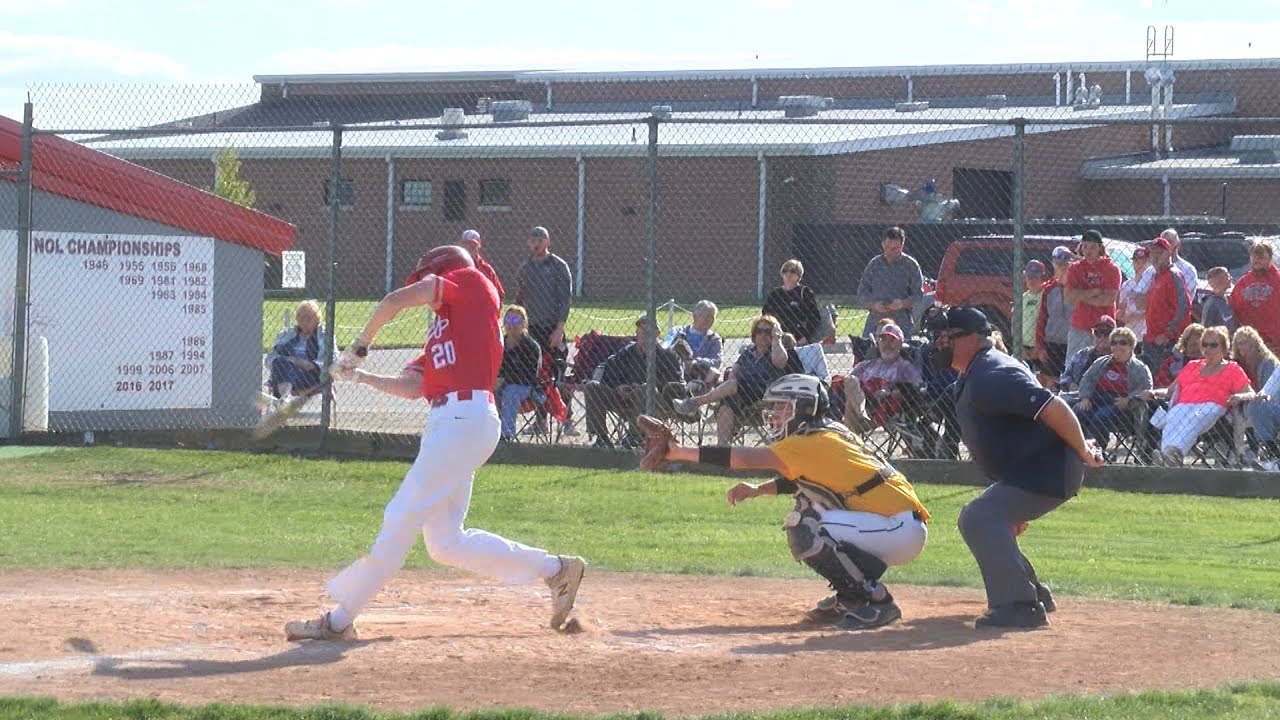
452	116
916	106
482	105
661	112
510	110
1257	149
996	102
803	105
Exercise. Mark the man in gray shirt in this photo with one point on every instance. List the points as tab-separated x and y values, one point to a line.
545	288
890	285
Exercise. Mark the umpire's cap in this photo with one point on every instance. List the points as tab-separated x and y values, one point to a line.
968	320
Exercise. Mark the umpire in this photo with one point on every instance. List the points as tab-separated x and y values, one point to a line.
1028	442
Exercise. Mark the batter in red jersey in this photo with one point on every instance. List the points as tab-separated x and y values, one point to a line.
462	352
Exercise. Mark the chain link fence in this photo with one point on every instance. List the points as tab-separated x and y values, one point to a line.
815	231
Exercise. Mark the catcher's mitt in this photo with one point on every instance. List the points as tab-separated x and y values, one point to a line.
658	439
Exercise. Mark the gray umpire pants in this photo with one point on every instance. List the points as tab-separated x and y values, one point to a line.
987	522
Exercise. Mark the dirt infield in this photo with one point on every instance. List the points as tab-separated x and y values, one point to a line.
681	645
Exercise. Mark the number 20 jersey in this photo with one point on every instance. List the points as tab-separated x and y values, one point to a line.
464	347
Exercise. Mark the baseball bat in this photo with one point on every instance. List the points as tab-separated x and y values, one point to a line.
280	415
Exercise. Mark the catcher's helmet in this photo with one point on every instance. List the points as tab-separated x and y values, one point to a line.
440	260
804	397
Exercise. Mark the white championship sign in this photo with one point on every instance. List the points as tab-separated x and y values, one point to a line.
128	318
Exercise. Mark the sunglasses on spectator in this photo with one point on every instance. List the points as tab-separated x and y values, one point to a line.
762	330
513	319
1212	344
791	271
1121	341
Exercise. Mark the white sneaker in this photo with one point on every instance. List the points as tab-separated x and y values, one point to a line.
318	629
564	588
685	406
569	429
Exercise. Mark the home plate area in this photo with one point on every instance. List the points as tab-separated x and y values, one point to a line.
674	644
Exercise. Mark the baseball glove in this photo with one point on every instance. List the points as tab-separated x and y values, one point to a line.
658	440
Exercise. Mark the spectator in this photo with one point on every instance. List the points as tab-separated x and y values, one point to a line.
1032	292
620	388
1256	299
1199	397
1093	284
1263	406
1179	265
877	393
766	359
795	305
702	367
890	285
1086	357
1216	310
1167	305
518	376
1054	324
546	286
294	362
1128	312
1186	350
1112	387
471	241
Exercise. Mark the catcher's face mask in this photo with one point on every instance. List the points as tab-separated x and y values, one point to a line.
778	415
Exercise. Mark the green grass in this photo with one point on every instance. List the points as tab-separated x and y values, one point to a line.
110	507
1238	702
734	320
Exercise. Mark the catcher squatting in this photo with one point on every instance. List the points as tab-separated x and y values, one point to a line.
855	515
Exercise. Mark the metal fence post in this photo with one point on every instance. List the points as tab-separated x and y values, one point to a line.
331	301
1016	342
651	369
22	282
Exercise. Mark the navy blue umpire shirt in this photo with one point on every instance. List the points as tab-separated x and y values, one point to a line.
997	408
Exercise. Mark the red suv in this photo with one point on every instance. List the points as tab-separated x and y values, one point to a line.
978	271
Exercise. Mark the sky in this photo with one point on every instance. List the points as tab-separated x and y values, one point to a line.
203	54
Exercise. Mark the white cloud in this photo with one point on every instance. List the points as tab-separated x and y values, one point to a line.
49	55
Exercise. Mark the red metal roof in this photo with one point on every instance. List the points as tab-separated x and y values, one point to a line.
73	171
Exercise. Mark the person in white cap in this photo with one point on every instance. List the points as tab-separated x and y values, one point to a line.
472	241
872	389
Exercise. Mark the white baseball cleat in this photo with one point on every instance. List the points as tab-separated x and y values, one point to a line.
318	629
564	588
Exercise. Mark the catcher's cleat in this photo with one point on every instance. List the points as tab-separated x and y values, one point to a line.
1016	615
871	615
828	610
564	588
318	629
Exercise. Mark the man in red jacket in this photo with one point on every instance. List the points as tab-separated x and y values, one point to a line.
1168	309
471	241
1256	297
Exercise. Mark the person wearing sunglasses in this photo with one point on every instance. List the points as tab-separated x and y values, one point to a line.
1198	397
518	376
794	304
1111	389
1086	357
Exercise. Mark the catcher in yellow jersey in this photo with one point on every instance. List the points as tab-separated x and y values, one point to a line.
854	516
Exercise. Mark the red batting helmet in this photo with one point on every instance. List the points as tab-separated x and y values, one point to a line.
439	261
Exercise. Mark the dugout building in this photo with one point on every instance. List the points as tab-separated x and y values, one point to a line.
736	199
145	294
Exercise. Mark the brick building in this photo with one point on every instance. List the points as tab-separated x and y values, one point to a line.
735	180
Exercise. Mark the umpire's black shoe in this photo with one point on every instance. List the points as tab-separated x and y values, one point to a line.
871	615
1045	597
1015	615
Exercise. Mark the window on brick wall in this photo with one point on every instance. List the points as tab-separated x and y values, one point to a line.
455	200
983	193
415	193
346	193
495	194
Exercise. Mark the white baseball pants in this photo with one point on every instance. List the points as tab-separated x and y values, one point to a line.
433	498
896	539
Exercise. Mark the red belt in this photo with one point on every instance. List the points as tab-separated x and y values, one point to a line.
460	395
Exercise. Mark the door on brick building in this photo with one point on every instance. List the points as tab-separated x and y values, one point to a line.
985	194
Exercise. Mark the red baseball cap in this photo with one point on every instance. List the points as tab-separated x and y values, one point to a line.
1162	243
